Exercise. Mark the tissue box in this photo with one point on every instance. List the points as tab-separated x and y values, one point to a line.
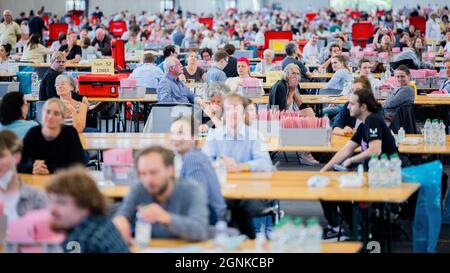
305	136
127	82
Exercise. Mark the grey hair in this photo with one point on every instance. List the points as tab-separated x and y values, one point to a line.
288	70
169	63
217	88
68	80
61	106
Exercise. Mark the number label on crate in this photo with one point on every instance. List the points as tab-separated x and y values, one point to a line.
103	66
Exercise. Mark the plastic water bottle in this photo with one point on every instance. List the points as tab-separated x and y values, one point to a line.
384	176
313	241
401	135
221	171
300	235
374	169
427	132
277	244
361	172
434	132
35	84
178	164
396	167
143	231
221	235
442	133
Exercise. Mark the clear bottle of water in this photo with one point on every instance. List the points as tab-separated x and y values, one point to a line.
313	241
427	132
300	235
442	133
276	237
178	164
143	231
221	171
396	165
35	84
434	132
374	169
401	135
384	174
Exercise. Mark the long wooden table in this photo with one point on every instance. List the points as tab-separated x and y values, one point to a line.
137	141
171	245
315	75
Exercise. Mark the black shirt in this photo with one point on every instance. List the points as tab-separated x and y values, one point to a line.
63	151
231	68
36	24
374	128
76	50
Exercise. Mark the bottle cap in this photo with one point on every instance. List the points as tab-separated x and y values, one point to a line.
384	156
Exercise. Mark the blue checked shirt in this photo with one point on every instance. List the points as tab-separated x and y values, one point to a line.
171	89
96	235
197	166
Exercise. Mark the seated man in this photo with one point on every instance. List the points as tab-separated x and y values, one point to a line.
47	89
171	88
175	208
402	96
148	74
197	166
325	58
78	208
241	148
373	136
293	55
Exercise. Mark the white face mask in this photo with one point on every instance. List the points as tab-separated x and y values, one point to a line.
6	179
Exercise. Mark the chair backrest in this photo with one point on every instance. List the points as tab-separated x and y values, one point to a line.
39	106
6	87
404	117
163	114
149	90
55	29
329	91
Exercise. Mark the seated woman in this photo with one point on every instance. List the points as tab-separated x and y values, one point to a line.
18	198
342	73
266	64
243	68
88	52
213	105
76	110
193	71
4	57
402	96
133	43
387	40
52	145
72	50
34	51
344	124
285	93
414	53
13	114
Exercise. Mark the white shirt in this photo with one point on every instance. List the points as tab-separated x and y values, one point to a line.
11	202
210	43
433	31
309	51
148	75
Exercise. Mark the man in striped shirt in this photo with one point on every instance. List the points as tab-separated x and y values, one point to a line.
197	166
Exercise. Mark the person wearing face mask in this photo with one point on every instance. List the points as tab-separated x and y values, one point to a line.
402	96
17	197
52	145
13	113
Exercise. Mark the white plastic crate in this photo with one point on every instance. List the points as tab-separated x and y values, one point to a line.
305	136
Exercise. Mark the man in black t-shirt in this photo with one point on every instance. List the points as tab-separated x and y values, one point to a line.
373	136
